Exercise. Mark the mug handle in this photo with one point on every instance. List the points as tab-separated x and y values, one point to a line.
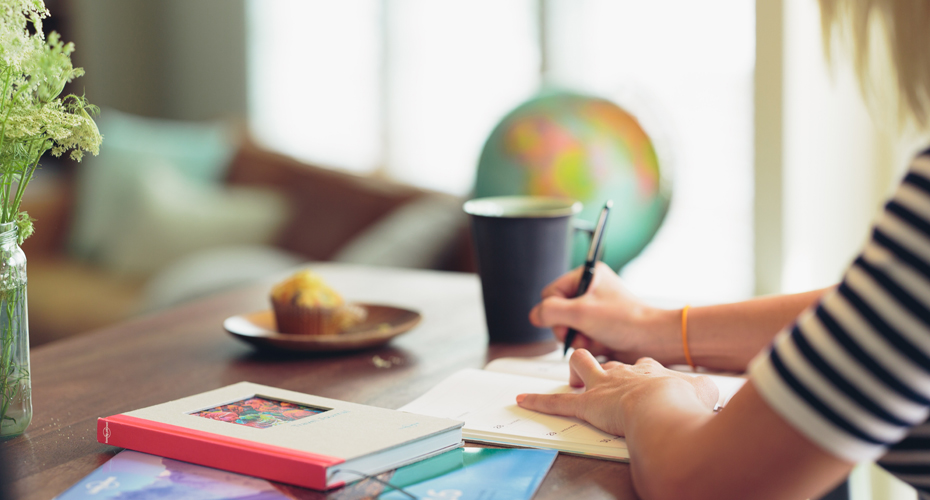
584	226
587	227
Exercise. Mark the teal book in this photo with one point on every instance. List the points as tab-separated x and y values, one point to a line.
474	474
461	474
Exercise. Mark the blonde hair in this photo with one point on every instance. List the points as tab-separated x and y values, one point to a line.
906	44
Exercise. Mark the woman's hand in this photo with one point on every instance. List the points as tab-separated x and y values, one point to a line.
610	319
613	389
679	448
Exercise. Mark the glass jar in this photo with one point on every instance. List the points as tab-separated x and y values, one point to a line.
15	386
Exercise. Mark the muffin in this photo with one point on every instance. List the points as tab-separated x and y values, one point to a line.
304	304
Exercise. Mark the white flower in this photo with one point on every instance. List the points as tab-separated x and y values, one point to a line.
33	118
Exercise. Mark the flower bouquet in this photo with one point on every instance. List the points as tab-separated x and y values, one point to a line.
34	120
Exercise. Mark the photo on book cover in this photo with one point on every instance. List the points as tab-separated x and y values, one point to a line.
461	474
259	412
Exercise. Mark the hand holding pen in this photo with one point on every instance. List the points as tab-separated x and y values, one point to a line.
591	259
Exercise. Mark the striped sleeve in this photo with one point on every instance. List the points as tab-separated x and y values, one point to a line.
909	459
853	373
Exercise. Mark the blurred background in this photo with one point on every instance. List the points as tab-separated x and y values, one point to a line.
213	111
243	137
399	96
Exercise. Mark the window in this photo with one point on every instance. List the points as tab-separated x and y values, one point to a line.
411	89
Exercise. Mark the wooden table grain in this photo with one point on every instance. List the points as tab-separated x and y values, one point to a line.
183	351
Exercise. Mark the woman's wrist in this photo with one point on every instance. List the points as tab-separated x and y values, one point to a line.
662	330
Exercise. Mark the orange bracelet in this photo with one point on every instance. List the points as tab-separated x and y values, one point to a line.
684	337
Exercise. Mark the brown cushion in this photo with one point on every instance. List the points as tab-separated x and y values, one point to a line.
328	207
68	297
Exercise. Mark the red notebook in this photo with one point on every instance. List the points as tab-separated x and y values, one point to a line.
281	435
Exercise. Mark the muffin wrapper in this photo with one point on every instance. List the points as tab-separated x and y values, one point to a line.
316	321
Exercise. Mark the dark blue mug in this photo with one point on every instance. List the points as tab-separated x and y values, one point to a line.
522	243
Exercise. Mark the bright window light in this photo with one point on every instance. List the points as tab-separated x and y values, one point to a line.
412	88
454	69
688	76
315	80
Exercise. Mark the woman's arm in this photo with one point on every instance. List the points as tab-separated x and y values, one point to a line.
728	336
679	448
615	323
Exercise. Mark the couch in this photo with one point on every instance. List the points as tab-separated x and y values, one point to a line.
173	211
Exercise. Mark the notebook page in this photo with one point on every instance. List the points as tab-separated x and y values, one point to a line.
540	367
553	366
486	402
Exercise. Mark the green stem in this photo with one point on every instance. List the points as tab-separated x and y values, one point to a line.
3	196
7	213
6	178
6	364
3	101
9	110
23	181
11	375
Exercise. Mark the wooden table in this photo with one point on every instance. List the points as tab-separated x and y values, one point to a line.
184	351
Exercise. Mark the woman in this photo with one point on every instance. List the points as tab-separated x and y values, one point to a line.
847	381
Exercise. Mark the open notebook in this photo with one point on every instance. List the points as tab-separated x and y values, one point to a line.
485	401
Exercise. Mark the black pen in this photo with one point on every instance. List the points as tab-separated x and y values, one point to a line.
589	263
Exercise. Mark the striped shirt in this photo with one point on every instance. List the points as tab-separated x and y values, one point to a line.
853	372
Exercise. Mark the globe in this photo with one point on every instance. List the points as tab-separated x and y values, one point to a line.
585	148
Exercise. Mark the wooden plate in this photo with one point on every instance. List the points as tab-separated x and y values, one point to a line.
381	325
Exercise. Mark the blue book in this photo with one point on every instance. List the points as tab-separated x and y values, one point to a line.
474	474
461	474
